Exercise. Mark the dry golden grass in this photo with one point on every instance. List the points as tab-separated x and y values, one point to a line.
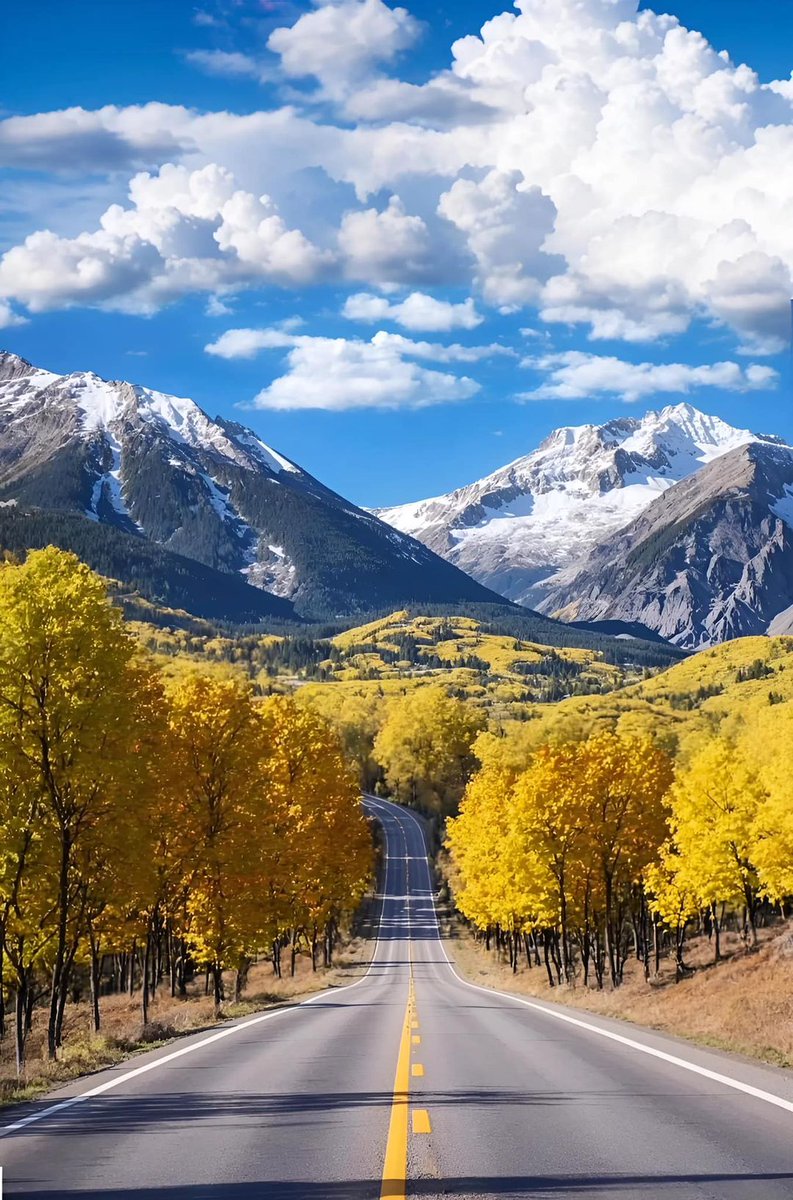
744	1004
123	1033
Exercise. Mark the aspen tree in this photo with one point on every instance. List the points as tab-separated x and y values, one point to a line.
64	716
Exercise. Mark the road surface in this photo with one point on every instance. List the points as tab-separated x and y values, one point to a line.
412	1082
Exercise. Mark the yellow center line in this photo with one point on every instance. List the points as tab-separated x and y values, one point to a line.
421	1121
417	1070
395	1167
416	1039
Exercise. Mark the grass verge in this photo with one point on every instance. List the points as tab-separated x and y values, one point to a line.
743	1004
124	1035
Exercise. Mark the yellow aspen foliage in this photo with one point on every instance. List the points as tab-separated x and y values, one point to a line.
425	747
324	848
356	718
715	804
216	743
496	882
764	739
561	846
65	660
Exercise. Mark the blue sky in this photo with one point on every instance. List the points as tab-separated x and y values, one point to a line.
580	214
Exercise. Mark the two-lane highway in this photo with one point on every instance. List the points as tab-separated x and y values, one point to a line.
412	1081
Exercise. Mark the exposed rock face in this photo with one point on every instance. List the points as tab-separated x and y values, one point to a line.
517	527
710	559
156	467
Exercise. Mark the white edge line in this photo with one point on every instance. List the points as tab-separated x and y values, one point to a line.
705	1072
207	1041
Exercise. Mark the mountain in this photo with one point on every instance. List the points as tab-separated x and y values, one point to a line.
515	528
709	560
170	490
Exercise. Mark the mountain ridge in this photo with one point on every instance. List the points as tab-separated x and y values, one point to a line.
709	560
156	467
517	527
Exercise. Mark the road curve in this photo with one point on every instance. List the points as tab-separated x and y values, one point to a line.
411	1081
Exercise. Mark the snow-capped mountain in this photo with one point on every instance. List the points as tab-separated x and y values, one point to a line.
515	528
710	559
156	468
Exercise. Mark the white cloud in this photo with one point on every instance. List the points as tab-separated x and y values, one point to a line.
183	231
416	311
229	64
574	375
388	247
505	229
8	317
601	162
217	306
107	139
246	343
342	43
344	373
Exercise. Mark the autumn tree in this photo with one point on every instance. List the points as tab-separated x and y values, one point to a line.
215	738
426	748
561	846
624	783
715	805
323	852
65	660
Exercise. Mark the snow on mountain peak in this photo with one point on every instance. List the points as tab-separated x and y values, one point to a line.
514	528
101	404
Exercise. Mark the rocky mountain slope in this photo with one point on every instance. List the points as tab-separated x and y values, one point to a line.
519	526
709	560
153	470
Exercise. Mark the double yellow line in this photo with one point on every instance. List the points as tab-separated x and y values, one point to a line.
395	1168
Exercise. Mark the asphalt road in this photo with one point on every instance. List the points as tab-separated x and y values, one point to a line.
410	1072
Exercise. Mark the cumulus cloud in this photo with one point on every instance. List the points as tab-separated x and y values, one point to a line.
575	375
505	229
335	374
600	163
341	44
345	373
388	247
416	311
247	343
107	139
8	317
183	231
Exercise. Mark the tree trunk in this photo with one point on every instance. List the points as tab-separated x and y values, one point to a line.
241	978
2	996
716	933
182	969
20	1023
145	981
547	959
217	982
95	978
57	989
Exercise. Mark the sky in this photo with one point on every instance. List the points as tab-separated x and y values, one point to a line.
403	243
